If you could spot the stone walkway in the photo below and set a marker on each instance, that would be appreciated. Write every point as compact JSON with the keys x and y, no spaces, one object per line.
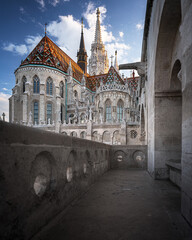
{"x":122,"y":205}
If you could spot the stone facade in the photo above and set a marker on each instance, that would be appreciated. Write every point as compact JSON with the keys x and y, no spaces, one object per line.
{"x":166,"y":93}
{"x":67,"y":100}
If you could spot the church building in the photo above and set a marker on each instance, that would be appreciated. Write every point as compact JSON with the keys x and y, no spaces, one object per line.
{"x":54,"y":93}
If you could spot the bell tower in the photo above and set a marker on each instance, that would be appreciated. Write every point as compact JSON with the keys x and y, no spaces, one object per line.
{"x":82,"y":54}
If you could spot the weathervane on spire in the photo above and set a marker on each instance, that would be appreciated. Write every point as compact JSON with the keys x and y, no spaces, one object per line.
{"x":45,"y":29}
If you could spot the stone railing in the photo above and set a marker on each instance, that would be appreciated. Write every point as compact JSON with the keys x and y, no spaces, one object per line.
{"x":41,"y":173}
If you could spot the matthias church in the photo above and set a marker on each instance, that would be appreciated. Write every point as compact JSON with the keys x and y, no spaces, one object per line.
{"x":54,"y":93}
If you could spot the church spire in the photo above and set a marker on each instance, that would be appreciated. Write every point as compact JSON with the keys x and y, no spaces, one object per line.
{"x":98,"y":29}
{"x":115,"y":63}
{"x":82,"y":54}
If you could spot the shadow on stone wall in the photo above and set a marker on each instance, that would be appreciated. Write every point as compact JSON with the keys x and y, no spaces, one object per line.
{"x":42,"y":172}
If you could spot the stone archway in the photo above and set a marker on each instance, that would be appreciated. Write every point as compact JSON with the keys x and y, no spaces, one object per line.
{"x":164,"y":110}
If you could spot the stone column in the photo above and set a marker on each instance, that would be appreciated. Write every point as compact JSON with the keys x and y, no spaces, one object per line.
{"x":13,"y":106}
{"x":58,"y":111}
{"x":123,"y":132}
{"x":25,"y":103}
{"x":42,"y":104}
{"x":89,"y":130}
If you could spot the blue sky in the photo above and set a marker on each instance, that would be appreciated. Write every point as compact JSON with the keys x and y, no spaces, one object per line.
{"x":22,"y":27}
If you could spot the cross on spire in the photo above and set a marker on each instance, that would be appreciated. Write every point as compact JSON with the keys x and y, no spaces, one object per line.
{"x":45,"y":29}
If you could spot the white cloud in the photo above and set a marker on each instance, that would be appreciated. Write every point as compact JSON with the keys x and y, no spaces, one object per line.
{"x":67,"y":32}
{"x":139,"y":26}
{"x":17,"y":49}
{"x":22,"y":10}
{"x":4,"y":105}
{"x":5,"y":89}
{"x":121,"y":34}
{"x":22,"y":49}
{"x":54,"y":2}
{"x":42,"y":4}
{"x":32,"y":41}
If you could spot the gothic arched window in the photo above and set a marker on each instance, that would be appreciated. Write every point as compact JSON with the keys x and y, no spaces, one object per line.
{"x":62,"y":113}
{"x":36,"y":112}
{"x":120,"y":110}
{"x":24,"y":80}
{"x":61,"y":87}
{"x":108,"y":110}
{"x":35,"y":84}
{"x":75,"y":94}
{"x":49,"y":112}
{"x":49,"y":86}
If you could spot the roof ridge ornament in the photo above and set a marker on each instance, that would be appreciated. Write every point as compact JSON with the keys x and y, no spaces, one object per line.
{"x":45,"y":29}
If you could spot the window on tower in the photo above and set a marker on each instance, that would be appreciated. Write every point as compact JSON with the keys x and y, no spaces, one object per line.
{"x":24,"y":80}
{"x":49,"y":112}
{"x":61,"y":86}
{"x":35,"y":84}
{"x":36,"y":112}
{"x":120,"y":110}
{"x":108,"y":110}
{"x":49,"y":86}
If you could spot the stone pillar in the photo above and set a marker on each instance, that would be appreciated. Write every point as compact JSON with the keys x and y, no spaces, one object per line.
{"x":123,"y":133}
{"x":58,"y":111}
{"x":25,"y":103}
{"x":42,"y":103}
{"x":114,"y":113}
{"x":89,"y":130}
{"x":13,"y":108}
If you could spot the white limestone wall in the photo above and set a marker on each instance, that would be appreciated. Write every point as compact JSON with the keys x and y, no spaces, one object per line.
{"x":150,"y":85}
{"x":186,"y":30}
{"x":29,"y":97}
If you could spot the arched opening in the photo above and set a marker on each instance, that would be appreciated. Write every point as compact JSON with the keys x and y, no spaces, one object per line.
{"x":116,"y":138}
{"x":35,"y":112}
{"x":164,"y":127}
{"x":107,"y":137}
{"x":73,"y":134}
{"x":43,"y":173}
{"x":75,"y":94}
{"x":49,"y":86}
{"x":82,"y":118}
{"x":61,"y":89}
{"x":36,"y":84}
{"x":108,"y":110}
{"x":49,"y":115}
{"x":83,"y":135}
{"x":62,"y":111}
{"x":95,"y":136}
{"x":120,"y":110}
{"x":24,"y":80}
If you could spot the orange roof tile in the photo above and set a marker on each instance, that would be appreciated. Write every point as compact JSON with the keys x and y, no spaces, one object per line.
{"x":48,"y":53}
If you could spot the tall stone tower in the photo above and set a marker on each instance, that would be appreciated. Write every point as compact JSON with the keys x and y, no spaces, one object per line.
{"x":82,"y":54}
{"x":98,"y":62}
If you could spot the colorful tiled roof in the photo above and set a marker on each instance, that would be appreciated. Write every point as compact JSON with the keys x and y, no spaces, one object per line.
{"x":133,"y":82}
{"x":111,"y":76}
{"x":48,"y":53}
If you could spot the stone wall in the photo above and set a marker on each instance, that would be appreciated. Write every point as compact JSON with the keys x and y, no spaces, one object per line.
{"x":124,"y":157}
{"x":40,"y":174}
{"x":169,"y":93}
